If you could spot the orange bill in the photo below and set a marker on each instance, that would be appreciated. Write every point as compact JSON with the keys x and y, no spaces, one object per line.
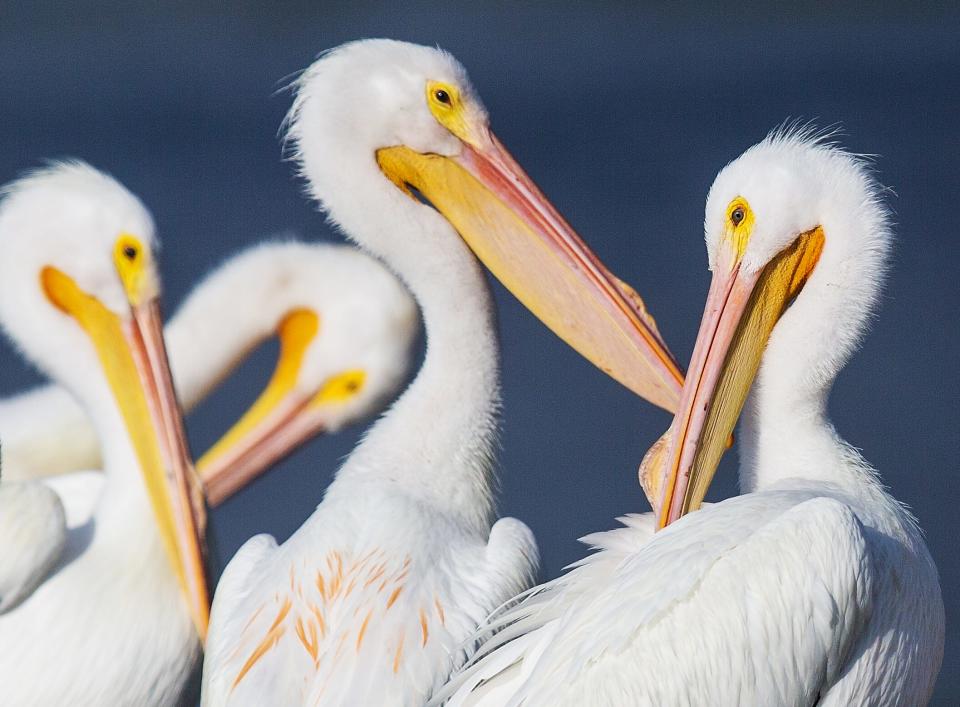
{"x":525,"y":242}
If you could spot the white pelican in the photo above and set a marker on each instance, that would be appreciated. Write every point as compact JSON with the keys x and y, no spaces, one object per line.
{"x":814,"y":586}
{"x":345,"y":325}
{"x":370,"y":600}
{"x":78,"y":295}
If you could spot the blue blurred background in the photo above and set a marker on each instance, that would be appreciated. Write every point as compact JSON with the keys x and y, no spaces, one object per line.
{"x":623,"y":115}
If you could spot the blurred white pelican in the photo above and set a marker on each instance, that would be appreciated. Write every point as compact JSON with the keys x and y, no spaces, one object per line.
{"x":814,"y":586}
{"x":370,"y":600}
{"x":345,"y":326}
{"x":78,"y":294}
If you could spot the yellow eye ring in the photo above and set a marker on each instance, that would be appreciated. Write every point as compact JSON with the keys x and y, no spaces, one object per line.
{"x":132,"y":267}
{"x":442,"y":96}
{"x":447,"y":106}
{"x":739,"y":226}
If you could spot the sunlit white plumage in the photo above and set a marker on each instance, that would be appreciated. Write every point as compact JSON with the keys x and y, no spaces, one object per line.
{"x":814,"y":586}
{"x":103,"y":583}
{"x":367,"y":322}
{"x":370,"y":600}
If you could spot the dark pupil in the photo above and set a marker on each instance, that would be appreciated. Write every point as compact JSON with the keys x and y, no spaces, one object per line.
{"x":130,"y":252}
{"x":351,"y":386}
{"x":737,"y":216}
{"x":442,"y":96}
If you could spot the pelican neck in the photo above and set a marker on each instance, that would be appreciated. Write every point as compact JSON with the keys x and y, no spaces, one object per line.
{"x":437,"y":441}
{"x":786,"y":434}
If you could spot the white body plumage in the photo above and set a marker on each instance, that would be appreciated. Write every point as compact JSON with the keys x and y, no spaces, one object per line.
{"x":372,"y":598}
{"x":369,"y":601}
{"x":815,"y":586}
{"x":104,"y":581}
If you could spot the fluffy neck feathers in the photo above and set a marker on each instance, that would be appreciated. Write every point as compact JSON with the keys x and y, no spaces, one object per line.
{"x":786,"y":432}
{"x":438,"y":439}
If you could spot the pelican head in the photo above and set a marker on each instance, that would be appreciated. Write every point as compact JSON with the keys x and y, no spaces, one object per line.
{"x":797,"y":242}
{"x":405,"y":119}
{"x":79,"y":295}
{"x":345,"y":326}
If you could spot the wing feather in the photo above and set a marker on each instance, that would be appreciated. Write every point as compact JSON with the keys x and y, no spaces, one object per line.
{"x":336,"y":616}
{"x":695,"y":614}
{"x":33,"y":532}
{"x":230,"y":608}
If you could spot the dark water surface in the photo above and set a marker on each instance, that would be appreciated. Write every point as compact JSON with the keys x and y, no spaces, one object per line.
{"x":624,"y":117}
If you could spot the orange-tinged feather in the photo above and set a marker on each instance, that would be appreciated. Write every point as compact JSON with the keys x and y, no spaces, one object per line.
{"x":309,"y":643}
{"x":397,"y":656}
{"x":320,"y":622}
{"x":393,"y":597}
{"x":363,"y":629}
{"x":374,"y":578}
{"x":252,"y":618}
{"x":361,"y":563}
{"x":269,"y":641}
{"x":423,"y":626}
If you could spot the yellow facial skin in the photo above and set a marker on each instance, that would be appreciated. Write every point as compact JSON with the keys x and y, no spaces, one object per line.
{"x":132,"y":261}
{"x":739,"y":226}
{"x":445,"y":103}
{"x":340,"y":388}
{"x":127,"y":384}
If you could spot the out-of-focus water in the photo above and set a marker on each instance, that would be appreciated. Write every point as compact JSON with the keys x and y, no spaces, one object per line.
{"x":624,"y":117}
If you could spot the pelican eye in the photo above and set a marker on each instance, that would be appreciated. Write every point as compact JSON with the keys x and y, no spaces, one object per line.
{"x":737,"y":216}
{"x":446,"y":104}
{"x":341,"y":387}
{"x":132,"y":261}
